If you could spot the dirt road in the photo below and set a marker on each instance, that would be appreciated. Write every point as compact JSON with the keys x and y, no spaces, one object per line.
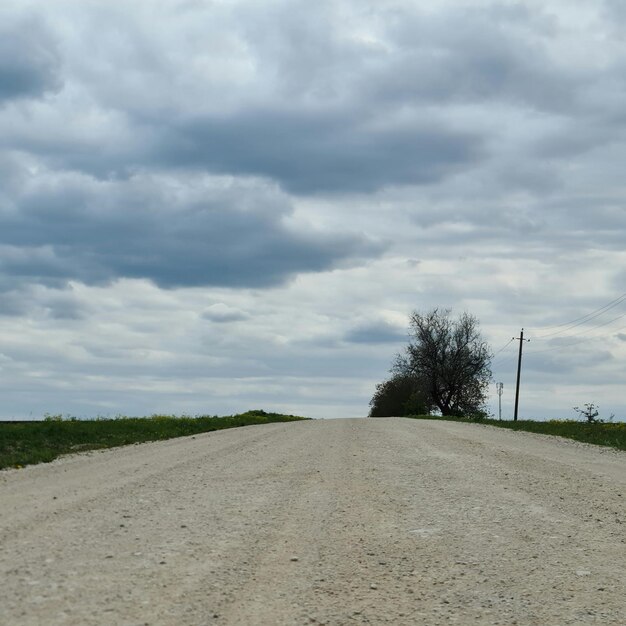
{"x":387,"y":521}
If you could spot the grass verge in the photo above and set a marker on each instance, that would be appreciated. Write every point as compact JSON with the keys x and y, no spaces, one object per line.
{"x":611,"y":434}
{"x":25,"y":443}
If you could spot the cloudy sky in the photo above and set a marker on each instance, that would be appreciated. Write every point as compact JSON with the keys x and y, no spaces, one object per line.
{"x":208,"y":206}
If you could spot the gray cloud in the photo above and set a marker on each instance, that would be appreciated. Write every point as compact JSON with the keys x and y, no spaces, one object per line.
{"x":615,"y":11}
{"x":320,"y":152}
{"x":29,"y":60}
{"x":21,"y":297}
{"x":12,"y":303}
{"x":493,"y":52}
{"x":333,"y":112}
{"x":231,"y":235}
{"x":64,"y":306}
{"x":376,"y":332}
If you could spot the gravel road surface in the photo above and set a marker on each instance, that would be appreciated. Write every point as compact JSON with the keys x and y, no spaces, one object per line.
{"x":348,"y":521}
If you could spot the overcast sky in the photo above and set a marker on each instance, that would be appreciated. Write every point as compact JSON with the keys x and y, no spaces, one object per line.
{"x":208,"y":206}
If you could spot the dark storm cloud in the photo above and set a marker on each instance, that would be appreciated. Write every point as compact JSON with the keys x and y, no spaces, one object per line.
{"x":309,"y":152}
{"x":231,"y":236}
{"x":29,"y":60}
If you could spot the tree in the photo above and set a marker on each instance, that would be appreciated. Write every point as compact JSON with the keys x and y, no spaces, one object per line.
{"x":448,"y":360}
{"x":400,"y":395}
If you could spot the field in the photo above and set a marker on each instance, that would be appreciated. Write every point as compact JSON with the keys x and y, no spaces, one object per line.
{"x":25,"y":443}
{"x":601,"y":434}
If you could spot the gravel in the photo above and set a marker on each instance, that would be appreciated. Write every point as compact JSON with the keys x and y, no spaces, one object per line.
{"x":351,"y":521}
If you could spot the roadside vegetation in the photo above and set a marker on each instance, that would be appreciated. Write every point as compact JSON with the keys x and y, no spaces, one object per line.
{"x":25,"y":443}
{"x":612,"y":434}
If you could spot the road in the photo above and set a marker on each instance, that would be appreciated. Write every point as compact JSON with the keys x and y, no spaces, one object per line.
{"x":347,"y":521}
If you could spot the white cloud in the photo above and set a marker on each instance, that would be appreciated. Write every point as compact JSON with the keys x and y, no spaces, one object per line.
{"x":221,"y":312}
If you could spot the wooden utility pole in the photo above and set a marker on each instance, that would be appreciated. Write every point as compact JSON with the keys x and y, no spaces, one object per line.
{"x":519,"y":371}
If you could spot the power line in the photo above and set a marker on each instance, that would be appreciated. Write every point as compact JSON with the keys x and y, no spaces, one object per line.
{"x":506,"y":345}
{"x":581,"y":320}
{"x":586,"y":330}
{"x":582,"y":340}
{"x":584,"y":316}
{"x":504,"y":360}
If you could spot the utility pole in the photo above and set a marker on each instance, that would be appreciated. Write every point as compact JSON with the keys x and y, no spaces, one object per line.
{"x":519,"y":370}
{"x":499,"y":387}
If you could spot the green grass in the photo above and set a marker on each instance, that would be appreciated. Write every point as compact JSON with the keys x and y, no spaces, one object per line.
{"x":601,"y":434}
{"x":25,"y":443}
